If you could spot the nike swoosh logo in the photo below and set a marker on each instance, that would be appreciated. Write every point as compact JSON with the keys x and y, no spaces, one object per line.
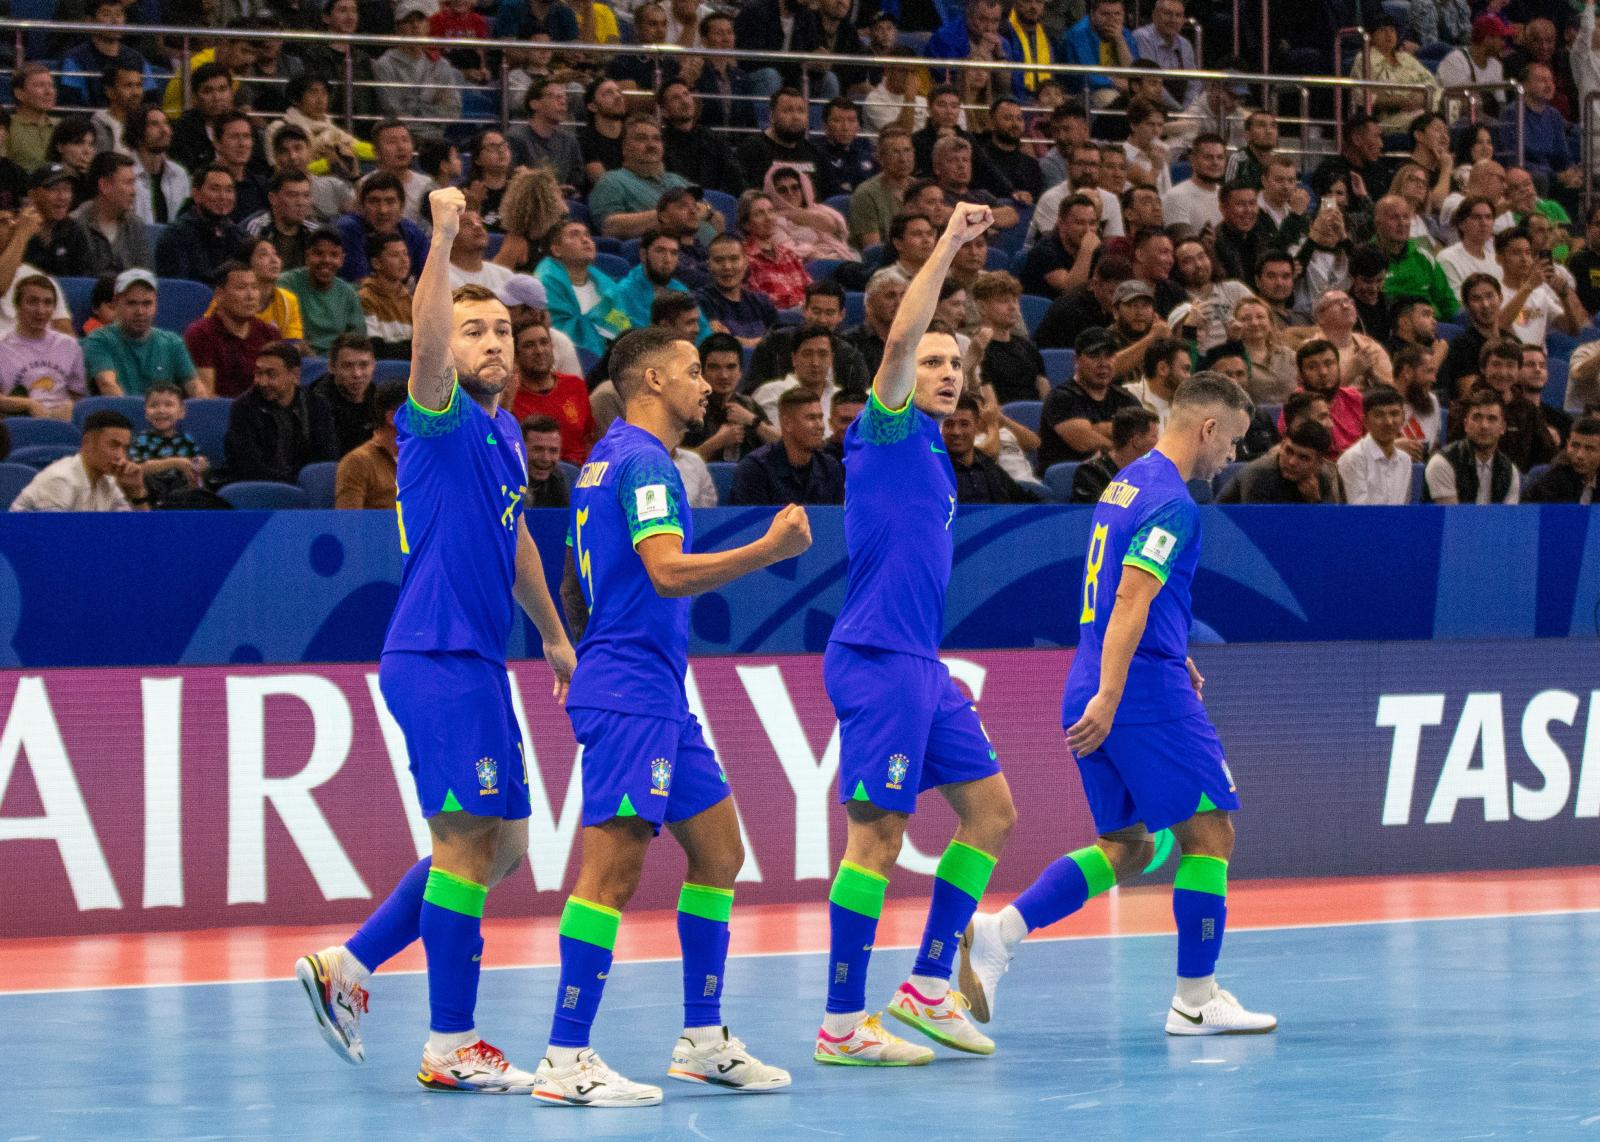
{"x":492,"y":440}
{"x":1197,"y":1020}
{"x":935,"y":448}
{"x":602,"y":975}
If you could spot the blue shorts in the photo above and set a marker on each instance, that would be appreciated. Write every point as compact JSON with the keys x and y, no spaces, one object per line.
{"x":903,"y":727}
{"x":657,"y":769}
{"x":1157,"y":773}
{"x":461,"y":732}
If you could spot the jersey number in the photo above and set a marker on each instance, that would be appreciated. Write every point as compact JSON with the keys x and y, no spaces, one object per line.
{"x":1091,"y":571}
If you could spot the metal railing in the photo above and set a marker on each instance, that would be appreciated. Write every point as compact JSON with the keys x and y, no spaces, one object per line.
{"x":1472,"y":92}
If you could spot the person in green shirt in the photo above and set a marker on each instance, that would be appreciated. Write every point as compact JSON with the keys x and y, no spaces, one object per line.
{"x":130,"y":355}
{"x":329,"y":305}
{"x":1412,"y":272}
{"x":34,"y":90}
{"x":1523,"y":198}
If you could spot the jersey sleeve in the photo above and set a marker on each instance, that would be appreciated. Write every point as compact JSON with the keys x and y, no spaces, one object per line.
{"x":425,"y":422}
{"x":651,"y":496}
{"x":880,"y":424}
{"x":1161,"y":537}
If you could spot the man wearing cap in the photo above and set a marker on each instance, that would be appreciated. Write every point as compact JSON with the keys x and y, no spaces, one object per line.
{"x":128,"y":356}
{"x":424,"y":87}
{"x":1135,"y":327}
{"x":542,"y":138}
{"x":680,"y":213}
{"x":691,"y":149}
{"x":523,"y":295}
{"x":1478,"y":63}
{"x":623,"y":203}
{"x":1075,"y":422}
{"x":202,"y":236}
{"x":61,"y":247}
{"x":329,"y":305}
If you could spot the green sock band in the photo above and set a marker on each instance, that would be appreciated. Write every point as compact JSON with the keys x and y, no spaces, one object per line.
{"x":1203,"y":874}
{"x":859,"y":889}
{"x":967,"y":868}
{"x":1096,"y":868}
{"x":706,"y":902}
{"x":454,"y":893}
{"x":590,"y":922}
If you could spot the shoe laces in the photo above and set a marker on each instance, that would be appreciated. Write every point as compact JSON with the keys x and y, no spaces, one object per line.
{"x":358,"y":996}
{"x":874,"y":1024}
{"x":486,"y":1054}
{"x":958,"y":1001}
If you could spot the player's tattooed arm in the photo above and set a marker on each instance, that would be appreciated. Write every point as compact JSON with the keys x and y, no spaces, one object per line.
{"x":572,"y":601}
{"x":433,"y":373}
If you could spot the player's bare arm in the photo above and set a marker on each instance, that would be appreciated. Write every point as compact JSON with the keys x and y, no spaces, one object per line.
{"x":897,"y":375}
{"x":433,"y":371}
{"x":1136,"y":590}
{"x":533,"y":596}
{"x":676,"y":574}
{"x":573,"y":604}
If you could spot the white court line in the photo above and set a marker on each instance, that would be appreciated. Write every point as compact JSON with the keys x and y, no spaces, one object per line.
{"x":1234,"y":931}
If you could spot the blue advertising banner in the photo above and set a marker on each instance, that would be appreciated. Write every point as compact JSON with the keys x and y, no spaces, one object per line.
{"x":242,"y":587}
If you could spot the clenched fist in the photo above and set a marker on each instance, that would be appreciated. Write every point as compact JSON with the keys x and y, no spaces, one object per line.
{"x":790,"y":533}
{"x":447,"y":205}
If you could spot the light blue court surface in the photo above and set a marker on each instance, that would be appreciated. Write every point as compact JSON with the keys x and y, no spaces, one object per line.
{"x":1452,"y":1029}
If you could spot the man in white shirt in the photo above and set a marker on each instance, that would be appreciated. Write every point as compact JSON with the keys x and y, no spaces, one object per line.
{"x":1374,"y":470}
{"x":1193,"y":202}
{"x":1474,"y":254}
{"x":895,"y":100}
{"x":1536,"y":293}
{"x":99,"y":477}
{"x":467,"y":266}
{"x":1083,"y":176}
{"x":1479,"y":63}
{"x":1474,"y":470}
{"x":1166,"y":366}
{"x":813,"y":369}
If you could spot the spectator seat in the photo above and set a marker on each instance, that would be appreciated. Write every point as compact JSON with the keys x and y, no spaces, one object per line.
{"x":1033,"y":310}
{"x":386,"y":371}
{"x":1058,"y":364}
{"x":206,"y":421}
{"x":1025,"y":412}
{"x":264,"y":495}
{"x":726,"y":205}
{"x":614,"y":266}
{"x":130,"y":407}
{"x":180,"y":303}
{"x":1555,"y":385}
{"x":722,"y":477}
{"x":37,"y":456}
{"x":316,"y":480}
{"x":13,"y":478}
{"x":1058,"y":479}
{"x":27,"y":431}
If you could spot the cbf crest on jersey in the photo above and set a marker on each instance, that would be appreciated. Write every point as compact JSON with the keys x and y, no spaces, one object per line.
{"x":487,"y":772}
{"x":898,"y":764}
{"x":660,"y":776}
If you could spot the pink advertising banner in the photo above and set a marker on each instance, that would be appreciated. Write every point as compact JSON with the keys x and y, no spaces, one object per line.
{"x":150,"y":799}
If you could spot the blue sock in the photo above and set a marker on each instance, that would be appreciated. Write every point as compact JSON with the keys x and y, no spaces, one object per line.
{"x":703,"y":935}
{"x":1200,"y":906}
{"x":588,"y":935}
{"x":958,"y":885}
{"x":854,"y":905}
{"x":1066,"y":886}
{"x":396,"y":923}
{"x":450,"y":925}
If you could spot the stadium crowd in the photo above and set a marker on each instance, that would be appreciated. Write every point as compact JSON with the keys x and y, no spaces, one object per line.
{"x":205,"y":293}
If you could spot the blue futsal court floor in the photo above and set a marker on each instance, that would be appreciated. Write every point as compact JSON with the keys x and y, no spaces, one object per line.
{"x":1482,"y":1028}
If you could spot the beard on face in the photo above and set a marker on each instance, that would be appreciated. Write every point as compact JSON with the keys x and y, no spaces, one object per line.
{"x":476,"y":386}
{"x":788,"y":137}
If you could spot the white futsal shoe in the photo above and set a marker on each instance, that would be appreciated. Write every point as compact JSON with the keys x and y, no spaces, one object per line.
{"x":589,"y":1082}
{"x":984,"y":959}
{"x":870,"y":1044}
{"x":1219,"y":1015}
{"x":337,"y":1001}
{"x":727,"y":1063}
{"x":945,"y":1022}
{"x":477,"y":1068}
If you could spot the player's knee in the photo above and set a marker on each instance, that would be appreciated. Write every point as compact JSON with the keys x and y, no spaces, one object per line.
{"x":1137,"y":860}
{"x":506,"y":865}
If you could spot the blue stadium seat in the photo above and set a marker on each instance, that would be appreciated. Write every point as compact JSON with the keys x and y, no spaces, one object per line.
{"x":130,"y":407}
{"x":840,"y":202}
{"x":614,"y":266}
{"x":1024,"y":412}
{"x":746,"y":354}
{"x":1201,"y":491}
{"x":587,"y":359}
{"x":579,"y":210}
{"x":1590,"y":332}
{"x":1058,"y":364}
{"x":1444,"y":423}
{"x":316,"y":480}
{"x":313,"y":369}
{"x":1058,"y":479}
{"x":75,"y":292}
{"x":38,"y":456}
{"x":722,"y":476}
{"x":821,"y":269}
{"x":264,"y":496}
{"x":998,"y":259}
{"x":386,"y":371}
{"x":13,"y":478}
{"x":27,"y":431}
{"x":496,"y":240}
{"x":855,"y":308}
{"x":1446,"y":331}
{"x":606,"y":244}
{"x":630,"y":251}
{"x":1033,"y":310}
{"x":1018,"y":260}
{"x":1011,"y":239}
{"x":726,"y":205}
{"x":1416,"y":482}
{"x":1225,"y":477}
{"x":791,"y":316}
{"x":180,"y":303}
{"x":153,"y":231}
{"x":1560,"y":345}
{"x":1532,"y":474}
{"x":873,"y":255}
{"x":205,"y":419}
{"x":1555,"y":386}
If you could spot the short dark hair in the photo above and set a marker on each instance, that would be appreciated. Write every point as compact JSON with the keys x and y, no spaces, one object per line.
{"x":826,"y":288}
{"x":540,"y":424}
{"x":206,"y":172}
{"x":351,"y":343}
{"x":797,"y":397}
{"x":1131,"y":423}
{"x":1505,"y":348}
{"x":286,"y":351}
{"x":1161,"y":351}
{"x":840,"y":103}
{"x":722,"y":343}
{"x":1482,"y":397}
{"x":1312,"y":434}
{"x":108,"y":77}
{"x":1473,"y":281}
{"x":849,"y":396}
{"x":321,"y":237}
{"x":1222,"y":351}
{"x":1206,"y":388}
{"x":1586,"y":426}
{"x":966,"y":402}
{"x":1272,"y":257}
{"x":205,"y":73}
{"x":389,"y":125}
{"x":295,"y":90}
{"x":810,"y":332}
{"x":1406,"y":357}
{"x":1381,"y":396}
{"x":1506,"y":237}
{"x":220,"y":275}
{"x":937,"y":90}
{"x":36,"y":281}
{"x":103,"y":419}
{"x":1205,"y":137}
{"x":283,"y":178}
{"x":633,"y":353}
{"x":671,"y":304}
{"x":784,"y":93}
{"x":1231,"y":188}
{"x":1466,"y":206}
{"x":288,"y":133}
{"x":380,"y":180}
{"x":651,"y":236}
{"x":902,"y":221}
{"x":389,"y":397}
{"x":432,"y":151}
{"x":1298,"y":404}
{"x":166,"y":388}
{"x":376,"y":243}
{"x":1314,"y":348}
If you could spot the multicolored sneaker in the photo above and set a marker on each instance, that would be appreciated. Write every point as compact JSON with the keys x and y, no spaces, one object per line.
{"x":1222,"y":1014}
{"x":477,"y":1068}
{"x":984,"y":959}
{"x":945,"y":1021}
{"x":589,"y":1082}
{"x":870,"y":1044}
{"x":726,"y":1063}
{"x":337,"y":1001}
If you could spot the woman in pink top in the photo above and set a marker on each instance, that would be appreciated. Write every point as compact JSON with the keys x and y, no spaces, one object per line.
{"x":810,"y":228}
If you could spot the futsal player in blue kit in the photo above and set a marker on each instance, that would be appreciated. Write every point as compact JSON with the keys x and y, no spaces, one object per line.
{"x":1149,"y":757}
{"x":629,"y":580}
{"x":468,"y":559}
{"x":903,"y":725}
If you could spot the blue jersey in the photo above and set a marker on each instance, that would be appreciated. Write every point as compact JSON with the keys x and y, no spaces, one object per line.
{"x":462,"y":479}
{"x":1145,"y":519}
{"x":635,"y":650}
{"x":899,"y":503}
